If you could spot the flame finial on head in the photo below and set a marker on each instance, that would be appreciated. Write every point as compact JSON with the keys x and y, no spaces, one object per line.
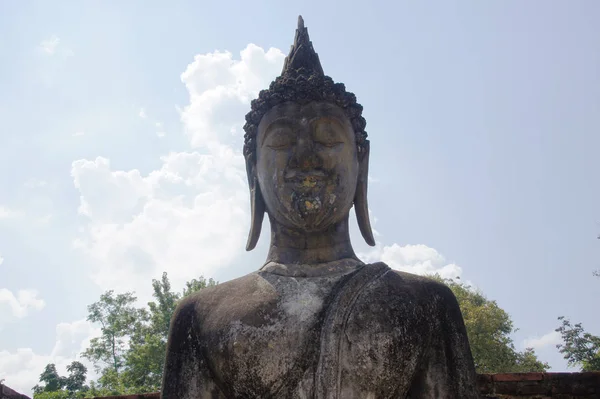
{"x":302,"y":54}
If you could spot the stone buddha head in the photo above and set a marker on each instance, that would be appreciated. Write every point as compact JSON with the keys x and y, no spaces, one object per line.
{"x":306,"y":149}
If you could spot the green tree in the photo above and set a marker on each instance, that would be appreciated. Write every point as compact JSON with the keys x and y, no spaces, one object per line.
{"x":145,"y":359}
{"x":60,"y":394}
{"x":527,"y":362}
{"x":579,"y":347}
{"x":148,"y":344}
{"x":118,"y":319}
{"x":131,"y":351}
{"x":96,"y":390}
{"x":489,"y":329}
{"x":197,"y":284}
{"x":77,"y":375}
{"x":52,"y":381}
{"x":58,"y":387}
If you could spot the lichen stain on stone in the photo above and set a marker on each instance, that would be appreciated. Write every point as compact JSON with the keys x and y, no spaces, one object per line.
{"x":309,"y":182}
{"x":302,"y":305}
{"x":312,"y":204}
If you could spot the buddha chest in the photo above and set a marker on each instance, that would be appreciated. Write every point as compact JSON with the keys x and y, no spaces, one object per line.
{"x":269,"y":341}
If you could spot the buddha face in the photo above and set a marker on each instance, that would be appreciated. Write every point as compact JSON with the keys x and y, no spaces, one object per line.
{"x":306,"y":164}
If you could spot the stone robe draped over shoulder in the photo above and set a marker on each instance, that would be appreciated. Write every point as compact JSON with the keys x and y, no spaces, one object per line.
{"x":372,"y":333}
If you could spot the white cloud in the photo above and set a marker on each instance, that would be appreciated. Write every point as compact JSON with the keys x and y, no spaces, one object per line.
{"x":73,"y":338}
{"x":190,"y":216}
{"x":78,"y":133}
{"x":416,"y":259}
{"x":107,"y":196}
{"x":220,"y":91}
{"x":1,"y":260}
{"x":53,"y":47}
{"x":160,"y":132}
{"x":7,"y":213}
{"x":21,"y":368}
{"x":550,"y":339}
{"x":53,"y":60}
{"x":183,"y":218}
{"x":50,"y":45}
{"x":18,"y":306}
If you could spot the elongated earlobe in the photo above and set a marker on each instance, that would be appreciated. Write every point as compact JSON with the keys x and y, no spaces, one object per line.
{"x":361,"y":206}
{"x":257,"y":203}
{"x":257,"y":215}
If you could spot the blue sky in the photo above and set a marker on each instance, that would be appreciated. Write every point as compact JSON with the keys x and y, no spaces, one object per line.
{"x":121,"y":138}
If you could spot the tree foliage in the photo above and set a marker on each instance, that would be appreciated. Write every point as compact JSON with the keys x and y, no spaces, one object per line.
{"x":59,"y":387}
{"x":579,"y":348}
{"x":130,"y":353}
{"x":489,"y":329}
{"x":52,"y":381}
{"x":76,"y":379}
{"x":118,"y":319}
{"x":60,"y":394}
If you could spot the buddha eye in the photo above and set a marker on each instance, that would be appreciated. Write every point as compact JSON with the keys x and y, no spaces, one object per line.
{"x":330,"y":144}
{"x":280,"y":139}
{"x":328,"y":133}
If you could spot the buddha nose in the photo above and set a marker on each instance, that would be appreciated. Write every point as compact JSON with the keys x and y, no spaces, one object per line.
{"x":305,"y":156}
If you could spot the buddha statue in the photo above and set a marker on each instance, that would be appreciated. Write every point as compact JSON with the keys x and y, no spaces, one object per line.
{"x":314,"y":321}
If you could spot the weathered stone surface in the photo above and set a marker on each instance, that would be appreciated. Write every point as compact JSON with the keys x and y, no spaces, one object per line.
{"x":263,"y":336}
{"x":315,"y":321}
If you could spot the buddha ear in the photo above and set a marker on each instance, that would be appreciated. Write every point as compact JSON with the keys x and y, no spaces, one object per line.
{"x":361,"y":207}
{"x":257,"y":204}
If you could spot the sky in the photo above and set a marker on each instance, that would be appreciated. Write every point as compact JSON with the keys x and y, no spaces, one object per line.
{"x":121,"y":138}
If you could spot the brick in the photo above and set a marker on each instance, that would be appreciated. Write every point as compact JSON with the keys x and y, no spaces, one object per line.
{"x":518,"y":377}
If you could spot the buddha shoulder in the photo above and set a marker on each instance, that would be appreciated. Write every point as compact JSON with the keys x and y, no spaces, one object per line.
{"x":421,"y":286}
{"x":397,"y":294}
{"x":240,"y":299}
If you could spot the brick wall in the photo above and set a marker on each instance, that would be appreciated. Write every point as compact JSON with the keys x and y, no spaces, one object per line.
{"x":540,"y":385}
{"x":491,"y":386}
